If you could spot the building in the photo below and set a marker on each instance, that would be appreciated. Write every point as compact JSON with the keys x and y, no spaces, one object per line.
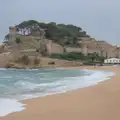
{"x":112,"y":61}
{"x":21,"y":31}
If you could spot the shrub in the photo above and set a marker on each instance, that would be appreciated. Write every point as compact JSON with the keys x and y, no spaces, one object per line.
{"x":51,"y":63}
{"x":18,"y":40}
{"x":9,"y":65}
{"x":88,"y":63}
{"x":68,"y":56}
{"x":24,"y":59}
{"x":36,"y":61}
{"x":91,"y":58}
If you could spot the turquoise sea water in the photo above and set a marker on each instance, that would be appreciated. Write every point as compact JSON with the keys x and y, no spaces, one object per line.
{"x":17,"y":85}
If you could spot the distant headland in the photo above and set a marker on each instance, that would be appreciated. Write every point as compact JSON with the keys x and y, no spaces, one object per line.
{"x":34,"y":44}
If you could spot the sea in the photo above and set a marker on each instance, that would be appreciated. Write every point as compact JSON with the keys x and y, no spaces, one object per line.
{"x":21,"y":84}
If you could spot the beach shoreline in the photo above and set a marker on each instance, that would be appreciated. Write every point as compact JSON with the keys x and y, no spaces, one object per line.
{"x":77,"y":104}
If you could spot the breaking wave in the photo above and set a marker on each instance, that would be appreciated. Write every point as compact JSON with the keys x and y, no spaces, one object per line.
{"x":16,"y":85}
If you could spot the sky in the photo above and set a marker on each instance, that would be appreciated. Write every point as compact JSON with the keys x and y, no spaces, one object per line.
{"x":100,"y":18}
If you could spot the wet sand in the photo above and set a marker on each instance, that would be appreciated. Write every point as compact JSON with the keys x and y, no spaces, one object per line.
{"x":99,"y":102}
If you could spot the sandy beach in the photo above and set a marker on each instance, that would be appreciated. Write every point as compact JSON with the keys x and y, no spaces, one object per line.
{"x":98,"y":102}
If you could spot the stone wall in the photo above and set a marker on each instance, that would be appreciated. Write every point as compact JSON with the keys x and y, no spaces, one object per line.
{"x":72,"y":49}
{"x":54,"y":47}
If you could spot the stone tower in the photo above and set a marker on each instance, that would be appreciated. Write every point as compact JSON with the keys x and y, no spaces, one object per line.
{"x":12,"y":30}
{"x":85,"y":49}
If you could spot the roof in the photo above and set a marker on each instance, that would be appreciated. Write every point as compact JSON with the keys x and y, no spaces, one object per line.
{"x":113,"y":59}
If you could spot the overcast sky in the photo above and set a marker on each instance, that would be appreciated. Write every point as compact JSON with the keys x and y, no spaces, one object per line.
{"x":100,"y":18}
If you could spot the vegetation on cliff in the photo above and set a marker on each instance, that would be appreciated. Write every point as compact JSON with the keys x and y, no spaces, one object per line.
{"x":60,"y":33}
{"x":90,"y":58}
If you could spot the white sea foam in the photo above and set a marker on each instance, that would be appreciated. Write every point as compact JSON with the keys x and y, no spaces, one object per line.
{"x":8,"y":106}
{"x":26,"y":85}
{"x":68,"y":83}
{"x":82,"y":82}
{"x":3,"y":69}
{"x":31,"y":69}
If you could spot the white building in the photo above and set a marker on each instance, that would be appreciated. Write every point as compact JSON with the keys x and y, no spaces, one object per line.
{"x":24,"y":31}
{"x":112,"y":61}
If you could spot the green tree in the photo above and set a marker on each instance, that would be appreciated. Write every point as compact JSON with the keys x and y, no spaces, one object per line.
{"x":58,"y":32}
{"x":69,"y":56}
{"x":28,"y":23}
